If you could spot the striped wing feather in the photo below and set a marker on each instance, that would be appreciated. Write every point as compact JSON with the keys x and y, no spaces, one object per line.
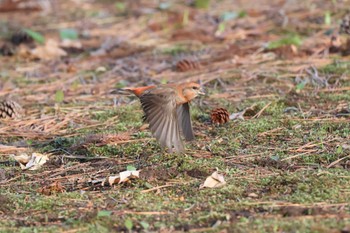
{"x":159,"y":107}
{"x":184,"y":119}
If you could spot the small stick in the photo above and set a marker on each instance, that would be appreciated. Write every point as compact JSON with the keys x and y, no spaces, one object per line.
{"x":298,"y":155}
{"x":156,"y":188}
{"x":146,"y":212}
{"x":337,"y":161}
{"x":262,"y":110}
{"x":270,"y":131}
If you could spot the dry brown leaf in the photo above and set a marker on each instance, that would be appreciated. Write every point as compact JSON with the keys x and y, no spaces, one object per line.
{"x":55,"y":187}
{"x":122,"y":177}
{"x":31,"y":162}
{"x":237,"y":115}
{"x":127,"y":175}
{"x":23,"y":51}
{"x":253,"y":195}
{"x":49,"y":51}
{"x":66,"y":43}
{"x":112,"y":180}
{"x":215,"y":180}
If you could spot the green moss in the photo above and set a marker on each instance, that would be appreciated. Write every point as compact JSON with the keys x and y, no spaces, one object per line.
{"x":337,"y":67}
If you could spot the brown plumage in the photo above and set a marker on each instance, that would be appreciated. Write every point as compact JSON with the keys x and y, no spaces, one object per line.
{"x":167,"y":111}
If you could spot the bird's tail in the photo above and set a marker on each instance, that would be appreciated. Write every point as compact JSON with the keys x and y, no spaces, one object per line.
{"x":135,"y":90}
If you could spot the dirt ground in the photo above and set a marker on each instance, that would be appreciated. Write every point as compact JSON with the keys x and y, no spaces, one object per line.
{"x":279,"y":69}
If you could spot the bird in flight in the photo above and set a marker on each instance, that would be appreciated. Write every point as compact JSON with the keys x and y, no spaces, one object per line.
{"x":167,"y":111}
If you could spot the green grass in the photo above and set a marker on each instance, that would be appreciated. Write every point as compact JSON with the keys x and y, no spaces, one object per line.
{"x":274,"y":181}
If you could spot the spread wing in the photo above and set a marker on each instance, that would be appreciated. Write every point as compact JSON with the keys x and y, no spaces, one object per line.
{"x":184,"y":119}
{"x":159,"y":106}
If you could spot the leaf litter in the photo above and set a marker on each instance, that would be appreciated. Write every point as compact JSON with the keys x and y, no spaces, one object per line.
{"x":31,"y":162}
{"x":215,"y":180}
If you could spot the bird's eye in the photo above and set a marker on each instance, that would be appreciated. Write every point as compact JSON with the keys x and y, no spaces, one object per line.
{"x":195,"y":88}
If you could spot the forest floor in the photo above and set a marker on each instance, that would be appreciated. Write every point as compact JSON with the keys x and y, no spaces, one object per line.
{"x":281,"y":67}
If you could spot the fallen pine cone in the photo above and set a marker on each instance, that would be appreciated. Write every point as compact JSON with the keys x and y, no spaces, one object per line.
{"x":186,"y":65}
{"x":345,"y":25}
{"x":219,"y":116}
{"x":10,"y":108}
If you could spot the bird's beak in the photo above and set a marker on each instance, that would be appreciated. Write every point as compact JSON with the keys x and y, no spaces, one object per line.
{"x":201,"y":92}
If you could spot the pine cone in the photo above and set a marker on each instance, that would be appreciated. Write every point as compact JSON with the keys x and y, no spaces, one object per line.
{"x":10,"y":108}
{"x":345,"y":25}
{"x":186,"y":65}
{"x":219,"y":116}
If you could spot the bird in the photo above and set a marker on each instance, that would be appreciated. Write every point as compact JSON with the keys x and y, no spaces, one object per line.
{"x":167,"y":111}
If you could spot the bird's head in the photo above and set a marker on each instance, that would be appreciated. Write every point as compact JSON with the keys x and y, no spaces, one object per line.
{"x":192,"y":90}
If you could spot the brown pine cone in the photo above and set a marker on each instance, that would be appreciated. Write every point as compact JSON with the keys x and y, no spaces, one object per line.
{"x":345,"y":25}
{"x":11,"y":109}
{"x":186,"y":65}
{"x":219,"y":116}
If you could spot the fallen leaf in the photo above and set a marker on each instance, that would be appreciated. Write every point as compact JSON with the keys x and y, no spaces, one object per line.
{"x":127,"y":175}
{"x":112,"y":180}
{"x":22,"y":159}
{"x":23,"y":51}
{"x":49,"y":51}
{"x":237,"y":115}
{"x":31,"y":162}
{"x":68,"y":43}
{"x":250,"y":111}
{"x":101,"y":69}
{"x":128,"y":224}
{"x":35,"y":35}
{"x":253,"y":195}
{"x":55,"y":187}
{"x":215,"y":180}
{"x":122,"y":177}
